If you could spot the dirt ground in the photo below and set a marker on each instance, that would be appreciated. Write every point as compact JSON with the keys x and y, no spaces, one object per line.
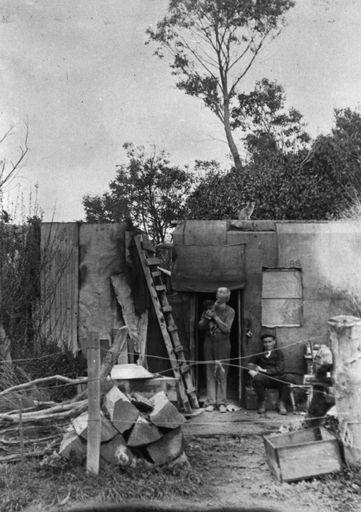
{"x":229,"y":450}
{"x":228,"y":468}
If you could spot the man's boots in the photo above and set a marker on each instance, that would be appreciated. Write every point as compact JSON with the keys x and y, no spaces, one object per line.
{"x":262,"y":407}
{"x":283,"y":409}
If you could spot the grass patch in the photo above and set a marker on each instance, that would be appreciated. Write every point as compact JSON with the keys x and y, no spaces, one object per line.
{"x":51,"y":486}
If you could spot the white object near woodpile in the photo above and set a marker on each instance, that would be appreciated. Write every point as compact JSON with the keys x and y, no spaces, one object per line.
{"x":130,"y":371}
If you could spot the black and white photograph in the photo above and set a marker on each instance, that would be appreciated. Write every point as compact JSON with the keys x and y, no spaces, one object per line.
{"x":180,"y":255}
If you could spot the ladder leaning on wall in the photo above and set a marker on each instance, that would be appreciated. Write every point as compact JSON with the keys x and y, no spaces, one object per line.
{"x":168,"y":328}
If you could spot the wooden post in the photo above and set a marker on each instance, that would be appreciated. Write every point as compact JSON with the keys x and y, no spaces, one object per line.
{"x":345,"y":336}
{"x":94,"y":422}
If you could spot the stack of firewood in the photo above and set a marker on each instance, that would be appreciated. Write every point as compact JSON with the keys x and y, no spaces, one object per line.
{"x":134,"y":429}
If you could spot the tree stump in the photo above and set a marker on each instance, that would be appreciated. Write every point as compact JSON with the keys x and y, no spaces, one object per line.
{"x":345,"y":336}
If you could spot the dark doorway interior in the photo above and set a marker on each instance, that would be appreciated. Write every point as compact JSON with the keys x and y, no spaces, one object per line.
{"x":233,"y":369}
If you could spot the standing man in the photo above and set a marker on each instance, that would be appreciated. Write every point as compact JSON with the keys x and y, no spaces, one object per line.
{"x":267,"y":370}
{"x":217,"y":323}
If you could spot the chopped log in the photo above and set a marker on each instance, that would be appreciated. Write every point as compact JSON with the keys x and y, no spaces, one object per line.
{"x":143,"y":433}
{"x":142,"y":403}
{"x":80,"y":425}
{"x":72,"y":446}
{"x":168,"y":448}
{"x":122,"y":413}
{"x":164,"y":413}
{"x":116,"y":452}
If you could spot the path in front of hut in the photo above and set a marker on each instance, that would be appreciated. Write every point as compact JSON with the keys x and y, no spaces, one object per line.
{"x":228,"y":451}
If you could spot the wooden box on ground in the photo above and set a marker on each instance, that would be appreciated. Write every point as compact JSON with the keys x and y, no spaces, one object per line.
{"x":272,"y":396}
{"x":303,"y":454}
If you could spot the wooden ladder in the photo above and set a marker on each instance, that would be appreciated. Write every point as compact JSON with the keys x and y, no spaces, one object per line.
{"x":168,"y":328}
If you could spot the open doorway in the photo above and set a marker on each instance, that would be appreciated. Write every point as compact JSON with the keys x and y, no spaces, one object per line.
{"x":234,"y":372}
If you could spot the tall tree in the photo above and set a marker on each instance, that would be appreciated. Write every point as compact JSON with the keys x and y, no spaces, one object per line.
{"x":147,"y":190}
{"x":213,"y":44}
{"x":318,"y":184}
{"x":267,"y":125}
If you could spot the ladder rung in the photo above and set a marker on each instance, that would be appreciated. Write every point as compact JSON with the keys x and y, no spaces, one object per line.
{"x":167,"y":309}
{"x":160,"y":287}
{"x":172,"y":328}
{"x":153,"y":261}
{"x":178,"y":348}
{"x":184,"y":368}
{"x":190,"y":390}
{"x":156,"y":273}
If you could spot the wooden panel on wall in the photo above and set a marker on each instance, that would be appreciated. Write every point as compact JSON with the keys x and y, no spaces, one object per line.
{"x":282,"y":284}
{"x":59,"y":284}
{"x":281,"y":312}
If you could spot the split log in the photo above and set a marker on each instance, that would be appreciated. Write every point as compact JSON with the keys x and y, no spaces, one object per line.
{"x":164,"y":413}
{"x":121,"y":411}
{"x":168,"y":448}
{"x":72,"y":446}
{"x":80,"y":425}
{"x":142,"y":403}
{"x":116,"y":452}
{"x":143,"y":433}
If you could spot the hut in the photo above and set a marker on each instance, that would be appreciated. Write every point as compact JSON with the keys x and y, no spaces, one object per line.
{"x":286,"y":276}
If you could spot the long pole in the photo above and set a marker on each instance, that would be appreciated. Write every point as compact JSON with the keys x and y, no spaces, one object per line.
{"x":94,"y":422}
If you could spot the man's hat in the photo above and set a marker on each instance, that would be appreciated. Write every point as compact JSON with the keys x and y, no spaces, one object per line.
{"x":268,"y":335}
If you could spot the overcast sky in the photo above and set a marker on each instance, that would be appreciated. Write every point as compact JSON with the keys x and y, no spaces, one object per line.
{"x":79,"y":73}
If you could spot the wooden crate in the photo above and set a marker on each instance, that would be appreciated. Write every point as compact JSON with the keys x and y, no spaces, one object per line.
{"x":303,"y":454}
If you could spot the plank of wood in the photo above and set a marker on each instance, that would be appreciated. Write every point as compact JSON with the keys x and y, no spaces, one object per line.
{"x":122,"y":413}
{"x":116,"y":452}
{"x":164,"y":413}
{"x":143,"y":433}
{"x":93,"y":421}
{"x":168,"y":448}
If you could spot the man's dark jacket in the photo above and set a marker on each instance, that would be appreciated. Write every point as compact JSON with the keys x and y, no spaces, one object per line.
{"x":274,"y":364}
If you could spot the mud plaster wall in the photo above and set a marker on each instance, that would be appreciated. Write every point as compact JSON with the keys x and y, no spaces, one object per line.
{"x":261,"y":250}
{"x":100,"y":256}
{"x":328,"y":254}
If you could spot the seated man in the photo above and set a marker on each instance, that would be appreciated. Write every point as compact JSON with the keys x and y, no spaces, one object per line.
{"x":267,"y":371}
